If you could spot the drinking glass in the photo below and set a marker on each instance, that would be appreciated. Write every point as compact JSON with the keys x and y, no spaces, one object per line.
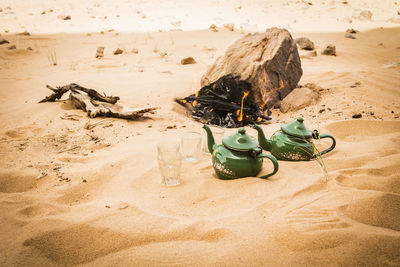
{"x":218,"y":133}
{"x":190,"y":146}
{"x":169,"y":162}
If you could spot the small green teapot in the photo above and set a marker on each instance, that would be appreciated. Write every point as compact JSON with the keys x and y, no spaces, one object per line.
{"x":238,"y":156}
{"x":293,"y":142}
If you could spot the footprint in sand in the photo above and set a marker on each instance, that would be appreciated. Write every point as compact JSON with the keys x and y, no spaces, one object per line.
{"x":83,"y":243}
{"x":40,"y":210}
{"x":17,"y":181}
{"x":381,"y":210}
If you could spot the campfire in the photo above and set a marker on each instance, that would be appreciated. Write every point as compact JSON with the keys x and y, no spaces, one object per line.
{"x":227,"y":102}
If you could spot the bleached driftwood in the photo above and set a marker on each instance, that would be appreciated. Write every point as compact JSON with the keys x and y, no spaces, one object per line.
{"x":95,"y":104}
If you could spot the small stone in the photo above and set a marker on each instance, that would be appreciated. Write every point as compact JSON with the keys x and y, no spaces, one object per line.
{"x":357,"y":116}
{"x":43,"y":12}
{"x":356,"y":84}
{"x":213,"y":27}
{"x":188,"y":60}
{"x":309,"y":54}
{"x":229,"y":26}
{"x":350,"y":36}
{"x":330,"y":50}
{"x":135,"y":51}
{"x":12,"y":47}
{"x":84,"y":181}
{"x":392,"y":111}
{"x":118,"y":51}
{"x":3,"y":41}
{"x":25,"y":33}
{"x":304,"y":43}
{"x":321,"y":110}
{"x":100,"y":52}
{"x":108,"y":207}
{"x":64,"y":17}
{"x":29,"y":48}
{"x":171,"y":126}
{"x":366,"y":15}
{"x":380,"y":44}
{"x":299,"y":98}
{"x":351,"y":31}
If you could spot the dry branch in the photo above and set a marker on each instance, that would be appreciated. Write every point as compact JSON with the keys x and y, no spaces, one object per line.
{"x":95,"y":104}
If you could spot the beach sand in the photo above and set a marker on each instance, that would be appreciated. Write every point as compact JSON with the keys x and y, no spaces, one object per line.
{"x":71,"y":195}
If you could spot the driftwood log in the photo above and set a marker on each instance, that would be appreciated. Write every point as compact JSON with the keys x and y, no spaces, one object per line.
{"x":94,"y":103}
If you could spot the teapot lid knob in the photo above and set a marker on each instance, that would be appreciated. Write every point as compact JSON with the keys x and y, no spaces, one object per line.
{"x":242,"y":130}
{"x":300,"y":119}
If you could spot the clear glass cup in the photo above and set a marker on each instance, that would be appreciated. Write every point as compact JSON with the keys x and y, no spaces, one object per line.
{"x":169,"y":162}
{"x":218,"y":133}
{"x":190,"y":146}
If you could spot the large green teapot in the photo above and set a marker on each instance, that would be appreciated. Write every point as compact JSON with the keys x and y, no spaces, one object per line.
{"x":238,"y":156}
{"x":293,"y":142}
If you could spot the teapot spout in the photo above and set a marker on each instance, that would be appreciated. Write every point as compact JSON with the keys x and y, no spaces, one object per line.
{"x":264,"y":142}
{"x":210,"y":139}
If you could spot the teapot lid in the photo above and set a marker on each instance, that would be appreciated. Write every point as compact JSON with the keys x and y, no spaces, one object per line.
{"x":296,"y":128}
{"x":240,"y":141}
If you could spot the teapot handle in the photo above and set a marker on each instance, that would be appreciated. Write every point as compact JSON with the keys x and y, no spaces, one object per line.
{"x":274,"y":161}
{"x":328,"y":149}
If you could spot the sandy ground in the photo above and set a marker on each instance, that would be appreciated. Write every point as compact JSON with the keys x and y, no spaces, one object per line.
{"x":69,"y":195}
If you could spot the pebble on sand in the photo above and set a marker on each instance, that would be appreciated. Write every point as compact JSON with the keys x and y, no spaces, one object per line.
{"x":100,"y":52}
{"x":213,"y":27}
{"x":118,"y":51}
{"x":3,"y":41}
{"x":188,"y":60}
{"x":229,"y":26}
{"x":12,"y":47}
{"x":64,"y":17}
{"x":349,"y":35}
{"x":25,"y":33}
{"x":330,"y":50}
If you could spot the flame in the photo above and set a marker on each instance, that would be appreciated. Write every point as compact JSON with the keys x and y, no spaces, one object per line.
{"x":281,"y":85}
{"x":241,"y":107}
{"x":194,"y":87}
{"x":265,"y":102}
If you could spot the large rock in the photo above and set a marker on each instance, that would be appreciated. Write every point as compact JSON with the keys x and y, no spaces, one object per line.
{"x":268,"y":61}
{"x":299,"y":98}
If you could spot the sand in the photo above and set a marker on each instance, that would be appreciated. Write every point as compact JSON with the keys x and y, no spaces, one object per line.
{"x":70,"y":195}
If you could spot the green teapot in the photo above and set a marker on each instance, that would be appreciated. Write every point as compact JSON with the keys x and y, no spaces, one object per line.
{"x":238,"y":156}
{"x":293,"y":142}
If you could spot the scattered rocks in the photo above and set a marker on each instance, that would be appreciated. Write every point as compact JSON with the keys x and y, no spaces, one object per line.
{"x":12,"y":47}
{"x":118,"y":51}
{"x":213,"y":27}
{"x":330,"y":50}
{"x":135,"y":51}
{"x":171,"y":127}
{"x":357,"y":116}
{"x":29,"y":48}
{"x":3,"y":41}
{"x":269,"y":61}
{"x":25,"y":33}
{"x":309,"y":54}
{"x":100,"y":52}
{"x":304,"y":43}
{"x":64,"y":17}
{"x":352,"y":31}
{"x":299,"y":98}
{"x":356,"y":84}
{"x":188,"y":60}
{"x":350,"y":36}
{"x":229,"y":26}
